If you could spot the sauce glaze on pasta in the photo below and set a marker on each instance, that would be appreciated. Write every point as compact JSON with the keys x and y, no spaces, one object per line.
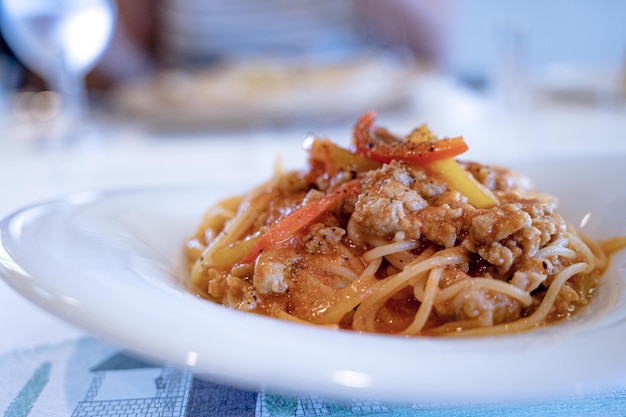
{"x":393,"y":247}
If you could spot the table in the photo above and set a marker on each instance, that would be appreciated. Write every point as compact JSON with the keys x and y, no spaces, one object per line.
{"x":39,"y":351}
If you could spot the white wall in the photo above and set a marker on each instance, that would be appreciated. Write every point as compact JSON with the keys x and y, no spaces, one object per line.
{"x":580,"y":33}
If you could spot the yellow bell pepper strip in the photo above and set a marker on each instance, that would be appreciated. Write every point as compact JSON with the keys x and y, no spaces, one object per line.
{"x":296,"y":220}
{"x":383,"y":147}
{"x":460,"y":180}
{"x":457,"y":178}
{"x":423,"y":148}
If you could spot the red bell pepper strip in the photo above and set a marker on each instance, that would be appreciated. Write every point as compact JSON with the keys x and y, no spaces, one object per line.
{"x":436,"y":155}
{"x":384,"y":148}
{"x":300,"y":218}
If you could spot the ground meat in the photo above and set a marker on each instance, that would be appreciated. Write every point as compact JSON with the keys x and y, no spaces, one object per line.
{"x":441,"y":224}
{"x":391,"y":197}
{"x":504,"y":235}
{"x":563,"y":301}
{"x":498,"y":179}
{"x":500,"y":255}
{"x":270,"y":275}
{"x":322,"y":239}
{"x":548,"y":223}
{"x":477,"y":303}
{"x":402,"y":199}
{"x":530,"y":274}
{"x":292,"y":279}
{"x":499,"y":223}
{"x":216,"y":285}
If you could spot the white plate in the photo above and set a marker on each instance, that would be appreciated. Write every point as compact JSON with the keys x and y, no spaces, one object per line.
{"x":111,"y":263}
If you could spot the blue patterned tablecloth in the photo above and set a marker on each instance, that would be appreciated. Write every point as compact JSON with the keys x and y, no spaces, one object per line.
{"x":91,"y":378}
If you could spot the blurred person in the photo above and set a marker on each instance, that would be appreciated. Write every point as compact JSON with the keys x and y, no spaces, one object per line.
{"x":131,"y":52}
{"x":418,"y":25}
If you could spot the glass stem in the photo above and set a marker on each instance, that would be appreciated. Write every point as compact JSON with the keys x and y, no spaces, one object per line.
{"x":73,"y":101}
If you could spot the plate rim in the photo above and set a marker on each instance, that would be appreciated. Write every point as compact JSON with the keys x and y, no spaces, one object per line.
{"x":355,"y":379}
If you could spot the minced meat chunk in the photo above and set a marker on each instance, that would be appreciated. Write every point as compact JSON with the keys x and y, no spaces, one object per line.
{"x":270,"y":275}
{"x":403,"y":199}
{"x":391,"y":197}
{"x":323,"y":239}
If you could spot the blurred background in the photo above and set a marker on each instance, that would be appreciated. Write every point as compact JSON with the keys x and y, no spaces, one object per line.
{"x":177,"y":61}
{"x":135,"y":80}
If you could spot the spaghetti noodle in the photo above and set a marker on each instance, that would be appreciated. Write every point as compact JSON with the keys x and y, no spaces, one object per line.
{"x":394,"y":235}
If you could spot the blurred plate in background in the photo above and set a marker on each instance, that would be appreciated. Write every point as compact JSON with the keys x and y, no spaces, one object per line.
{"x":267,"y":92}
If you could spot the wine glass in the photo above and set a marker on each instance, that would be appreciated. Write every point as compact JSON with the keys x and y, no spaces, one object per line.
{"x":60,"y":40}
